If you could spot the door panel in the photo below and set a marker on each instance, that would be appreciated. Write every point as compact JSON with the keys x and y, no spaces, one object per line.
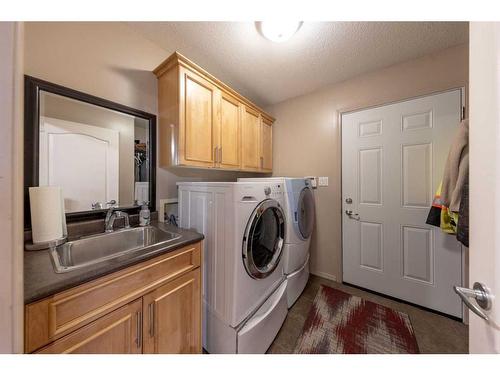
{"x":370,"y":176}
{"x":118,"y":332}
{"x":371,"y":245}
{"x":172,"y":323}
{"x":267,"y":145}
{"x":250,"y":140}
{"x":417,"y":175}
{"x":229,"y":153}
{"x":197,"y":120}
{"x":392,"y":163}
{"x":418,"y":254}
{"x":82,"y":159}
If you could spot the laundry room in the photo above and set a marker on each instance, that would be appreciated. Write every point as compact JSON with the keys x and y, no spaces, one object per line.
{"x":283,"y":186}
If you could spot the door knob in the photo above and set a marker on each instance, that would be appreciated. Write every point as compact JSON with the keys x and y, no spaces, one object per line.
{"x":480,"y":293}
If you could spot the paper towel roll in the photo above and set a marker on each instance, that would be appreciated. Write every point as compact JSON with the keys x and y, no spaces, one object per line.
{"x":46,"y":213}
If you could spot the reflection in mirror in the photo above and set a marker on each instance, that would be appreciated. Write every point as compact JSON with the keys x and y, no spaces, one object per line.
{"x":99,"y":157}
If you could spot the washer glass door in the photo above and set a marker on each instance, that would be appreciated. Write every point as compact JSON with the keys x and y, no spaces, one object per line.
{"x":264,"y":239}
{"x":305,"y":213}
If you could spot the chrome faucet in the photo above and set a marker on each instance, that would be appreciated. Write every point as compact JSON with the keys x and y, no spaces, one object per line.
{"x":100,"y":205}
{"x":110,"y":219}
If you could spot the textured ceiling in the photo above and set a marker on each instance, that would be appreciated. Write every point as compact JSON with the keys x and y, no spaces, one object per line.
{"x":319,"y":54}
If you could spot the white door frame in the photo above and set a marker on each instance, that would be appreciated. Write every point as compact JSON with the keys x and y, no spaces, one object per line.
{"x":11,"y":187}
{"x":465,"y":257}
{"x":484,"y":51}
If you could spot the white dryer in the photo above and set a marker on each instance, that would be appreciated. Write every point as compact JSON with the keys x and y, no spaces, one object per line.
{"x":244,"y":288}
{"x":300,"y":214}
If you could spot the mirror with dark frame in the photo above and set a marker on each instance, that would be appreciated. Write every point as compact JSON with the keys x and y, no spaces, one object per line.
{"x":99,"y":152}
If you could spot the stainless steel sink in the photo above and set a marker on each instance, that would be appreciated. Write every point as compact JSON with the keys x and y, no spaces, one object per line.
{"x":107,"y":247}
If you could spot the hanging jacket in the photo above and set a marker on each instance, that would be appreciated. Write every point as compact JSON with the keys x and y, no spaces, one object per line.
{"x":449,"y":221}
{"x":440,"y":216}
{"x":434,"y":217}
{"x":463,"y":224}
{"x":456,"y":169}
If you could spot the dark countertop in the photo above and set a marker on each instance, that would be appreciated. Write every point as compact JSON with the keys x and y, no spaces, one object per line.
{"x":41,"y":281}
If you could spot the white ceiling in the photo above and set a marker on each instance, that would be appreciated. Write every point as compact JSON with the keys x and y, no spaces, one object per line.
{"x":321,"y":53}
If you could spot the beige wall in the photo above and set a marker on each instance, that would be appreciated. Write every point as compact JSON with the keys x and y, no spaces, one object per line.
{"x":109,"y":60}
{"x":306,"y":134}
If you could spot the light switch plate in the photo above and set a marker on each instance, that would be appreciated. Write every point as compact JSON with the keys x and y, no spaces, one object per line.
{"x":323,"y":181}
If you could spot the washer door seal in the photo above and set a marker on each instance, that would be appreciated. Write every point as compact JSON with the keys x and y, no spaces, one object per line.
{"x":264,"y":238}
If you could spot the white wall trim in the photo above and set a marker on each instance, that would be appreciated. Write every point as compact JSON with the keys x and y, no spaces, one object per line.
{"x":325,"y":275}
{"x":11,"y":187}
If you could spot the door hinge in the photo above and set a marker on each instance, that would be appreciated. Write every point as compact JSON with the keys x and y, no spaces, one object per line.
{"x":463,"y":113}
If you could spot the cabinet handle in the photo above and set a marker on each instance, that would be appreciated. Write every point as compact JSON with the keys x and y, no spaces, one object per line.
{"x":216,"y":154}
{"x":220,"y":155}
{"x":139,"y":328}
{"x":261,"y":162}
{"x":151,"y":311}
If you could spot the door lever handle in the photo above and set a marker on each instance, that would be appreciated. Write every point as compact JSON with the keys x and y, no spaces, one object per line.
{"x":480,"y":294}
{"x":138,"y":318}
{"x":352,"y":215}
{"x":151,"y":319}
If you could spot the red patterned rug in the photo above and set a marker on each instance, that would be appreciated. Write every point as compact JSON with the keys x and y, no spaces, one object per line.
{"x":342,"y":323}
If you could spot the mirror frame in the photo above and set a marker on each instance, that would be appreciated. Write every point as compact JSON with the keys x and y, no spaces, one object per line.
{"x":32,"y":88}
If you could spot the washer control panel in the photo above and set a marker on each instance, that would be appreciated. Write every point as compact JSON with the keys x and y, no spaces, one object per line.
{"x":274,"y":190}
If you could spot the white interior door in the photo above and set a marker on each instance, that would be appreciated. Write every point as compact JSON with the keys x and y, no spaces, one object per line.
{"x":393,"y":158}
{"x":82,"y":159}
{"x":484,"y":135}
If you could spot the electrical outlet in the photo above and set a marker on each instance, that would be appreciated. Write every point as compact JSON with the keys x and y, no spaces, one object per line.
{"x":323,"y":181}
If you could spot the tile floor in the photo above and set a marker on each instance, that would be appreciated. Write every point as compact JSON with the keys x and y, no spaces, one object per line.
{"x":435,"y":333}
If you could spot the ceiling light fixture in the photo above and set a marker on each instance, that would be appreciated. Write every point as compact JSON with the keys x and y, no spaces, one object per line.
{"x":278,"y":31}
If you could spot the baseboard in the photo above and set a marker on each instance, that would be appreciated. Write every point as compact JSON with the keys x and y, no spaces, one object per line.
{"x":324,"y":275}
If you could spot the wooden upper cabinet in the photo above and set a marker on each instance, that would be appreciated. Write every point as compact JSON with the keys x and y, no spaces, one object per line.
{"x":118,"y":332}
{"x":229,"y":133}
{"x":205,"y":123}
{"x":266,"y":136}
{"x":198,"y":115}
{"x":172,"y":314}
{"x":250,"y":141}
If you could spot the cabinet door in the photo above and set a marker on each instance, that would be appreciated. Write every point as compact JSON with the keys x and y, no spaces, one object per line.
{"x":229,"y":144}
{"x":250,"y":140}
{"x":266,"y":137}
{"x":172,"y":323}
{"x":119,"y":332}
{"x":198,"y":114}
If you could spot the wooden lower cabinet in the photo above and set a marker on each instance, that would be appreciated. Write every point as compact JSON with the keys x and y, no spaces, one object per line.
{"x":173,"y":317}
{"x":118,"y":332}
{"x":164,"y":316}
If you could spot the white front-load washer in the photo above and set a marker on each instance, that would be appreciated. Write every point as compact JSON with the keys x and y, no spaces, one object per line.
{"x":244,"y":287}
{"x":300,"y":215}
